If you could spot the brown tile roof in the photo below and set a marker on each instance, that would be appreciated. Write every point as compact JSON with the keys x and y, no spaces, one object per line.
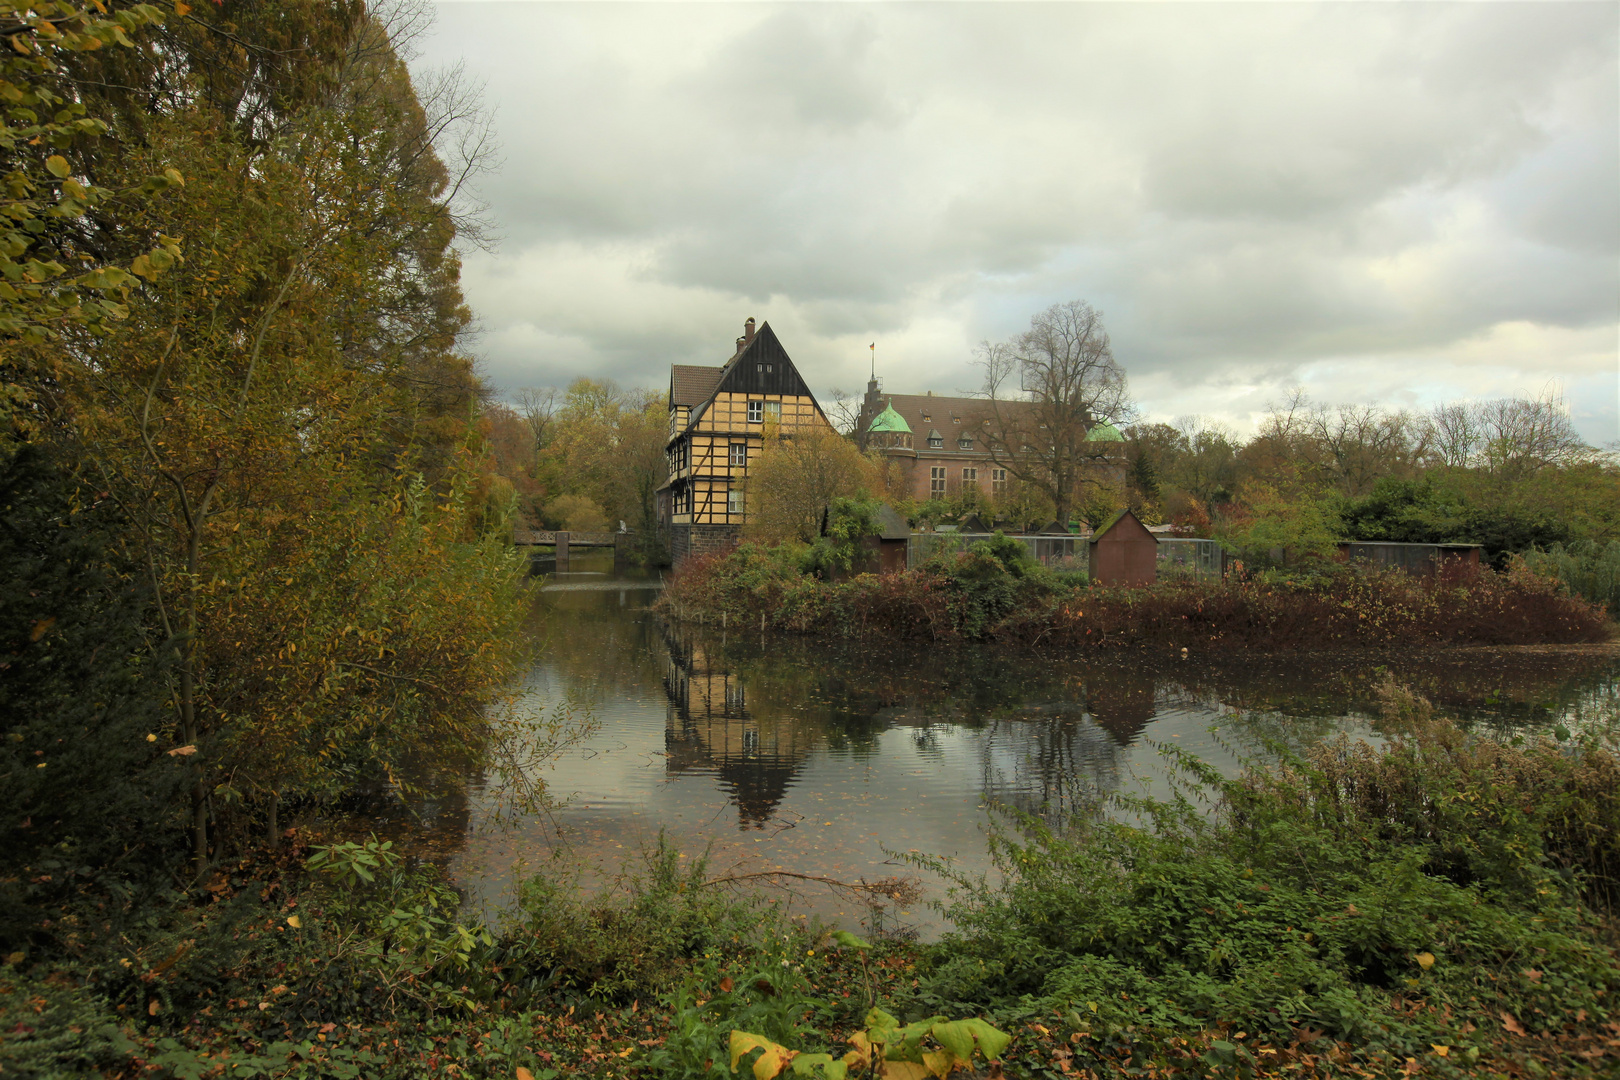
{"x":925,"y":411}
{"x":691,"y":384}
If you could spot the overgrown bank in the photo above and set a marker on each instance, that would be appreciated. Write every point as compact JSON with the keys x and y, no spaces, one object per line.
{"x":1442,"y":906}
{"x":994,"y":591}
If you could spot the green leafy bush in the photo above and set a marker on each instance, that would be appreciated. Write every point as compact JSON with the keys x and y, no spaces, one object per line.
{"x":994,"y":591}
{"x":1396,"y":898}
{"x":1588,"y":569}
{"x":635,"y":940}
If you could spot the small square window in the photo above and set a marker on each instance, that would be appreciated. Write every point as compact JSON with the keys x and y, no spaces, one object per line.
{"x":773,"y":410}
{"x":739,"y":454}
{"x":756,"y":412}
{"x":759,"y":367}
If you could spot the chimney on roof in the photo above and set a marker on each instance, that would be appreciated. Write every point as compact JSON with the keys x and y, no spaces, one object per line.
{"x":748,"y":330}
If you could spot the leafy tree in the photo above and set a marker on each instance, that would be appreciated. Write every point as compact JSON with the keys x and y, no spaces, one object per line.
{"x":260,"y":418}
{"x":1284,"y":529}
{"x":795,"y":479}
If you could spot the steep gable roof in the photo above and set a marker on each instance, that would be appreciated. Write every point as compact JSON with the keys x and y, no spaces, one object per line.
{"x":760,"y":367}
{"x":1131,"y":529}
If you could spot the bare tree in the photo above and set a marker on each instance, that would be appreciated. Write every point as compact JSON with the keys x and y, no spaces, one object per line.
{"x":1522,"y":436}
{"x":1454,"y":434}
{"x":1509,"y":437}
{"x":1353,"y":446}
{"x":539,"y":407}
{"x":843,"y":411}
{"x":1067,"y":382}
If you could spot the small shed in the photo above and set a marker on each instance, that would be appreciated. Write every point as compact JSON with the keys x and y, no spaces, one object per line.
{"x":973,"y":524}
{"x":1419,"y":559}
{"x":1123,"y":552}
{"x":888,"y":547}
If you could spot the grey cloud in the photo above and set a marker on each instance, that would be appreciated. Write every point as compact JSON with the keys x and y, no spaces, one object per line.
{"x":1244,"y":190}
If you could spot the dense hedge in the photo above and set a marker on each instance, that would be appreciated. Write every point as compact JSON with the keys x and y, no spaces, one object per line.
{"x":993,"y":592}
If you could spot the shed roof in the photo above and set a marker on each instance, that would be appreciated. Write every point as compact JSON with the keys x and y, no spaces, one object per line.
{"x":1113,"y":522}
{"x":891,"y":526}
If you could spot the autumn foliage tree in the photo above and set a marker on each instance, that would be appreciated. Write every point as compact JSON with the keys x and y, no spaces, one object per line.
{"x":285,"y":421}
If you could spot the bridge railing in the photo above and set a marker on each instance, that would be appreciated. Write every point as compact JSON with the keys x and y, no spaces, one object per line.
{"x":572,"y":539}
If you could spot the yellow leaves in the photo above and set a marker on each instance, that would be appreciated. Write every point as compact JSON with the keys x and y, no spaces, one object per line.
{"x":182,"y":10}
{"x":295,"y":922}
{"x":1442,"y":1051}
{"x":773,"y":1057}
{"x":523,"y":1074}
{"x":151,"y":738}
{"x":1425,"y":960}
{"x":57,"y":165}
{"x":41,"y":628}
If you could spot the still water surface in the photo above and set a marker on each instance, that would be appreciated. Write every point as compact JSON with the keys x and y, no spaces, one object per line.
{"x":780,"y":754}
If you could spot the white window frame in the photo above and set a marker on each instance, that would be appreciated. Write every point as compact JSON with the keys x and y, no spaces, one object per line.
{"x":734,"y":501}
{"x":738,"y":455}
{"x":756,"y":412}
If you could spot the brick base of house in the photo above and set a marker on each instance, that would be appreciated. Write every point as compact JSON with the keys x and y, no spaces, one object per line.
{"x":686,"y":541}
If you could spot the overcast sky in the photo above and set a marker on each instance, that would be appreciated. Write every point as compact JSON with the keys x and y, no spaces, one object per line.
{"x":1381,"y":203}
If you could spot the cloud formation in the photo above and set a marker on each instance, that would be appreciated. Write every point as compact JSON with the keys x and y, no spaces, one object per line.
{"x":1405,"y":203}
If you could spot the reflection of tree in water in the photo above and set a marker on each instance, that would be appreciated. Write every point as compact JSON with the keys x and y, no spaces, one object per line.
{"x":1048,"y":767}
{"x":1055,"y":758}
{"x":709,"y":726}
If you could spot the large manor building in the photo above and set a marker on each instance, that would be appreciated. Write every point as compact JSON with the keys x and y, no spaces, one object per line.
{"x":940,"y":445}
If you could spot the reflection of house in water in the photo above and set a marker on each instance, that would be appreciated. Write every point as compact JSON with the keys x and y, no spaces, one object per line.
{"x":1123,"y":705}
{"x":709,"y":727}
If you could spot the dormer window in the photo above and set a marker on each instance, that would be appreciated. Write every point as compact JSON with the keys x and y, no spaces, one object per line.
{"x":927,"y":419}
{"x":965,"y":443}
{"x":936,"y":441}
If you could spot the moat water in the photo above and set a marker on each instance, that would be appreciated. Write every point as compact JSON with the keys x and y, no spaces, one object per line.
{"x":836,"y":760}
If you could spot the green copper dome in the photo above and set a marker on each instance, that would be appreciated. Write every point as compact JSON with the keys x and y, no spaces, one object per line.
{"x":889,"y":420}
{"x":1104,"y":433}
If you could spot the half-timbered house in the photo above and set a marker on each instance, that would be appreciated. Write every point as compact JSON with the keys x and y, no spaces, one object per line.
{"x":718,"y":419}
